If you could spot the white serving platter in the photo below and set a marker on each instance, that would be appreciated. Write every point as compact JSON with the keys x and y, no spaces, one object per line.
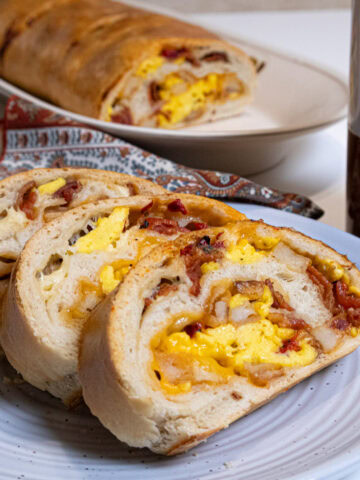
{"x":311,"y":432}
{"x":293,"y":98}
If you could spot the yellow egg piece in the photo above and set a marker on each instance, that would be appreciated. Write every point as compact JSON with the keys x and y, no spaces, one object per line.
{"x":178,"y":107}
{"x":111,"y":275}
{"x":226,"y":348}
{"x":107,"y":231}
{"x":266,"y":243}
{"x":149,"y":65}
{"x":243,"y":252}
{"x":51,"y":187}
{"x":331,"y":269}
{"x":354,"y":290}
{"x":209,"y":267}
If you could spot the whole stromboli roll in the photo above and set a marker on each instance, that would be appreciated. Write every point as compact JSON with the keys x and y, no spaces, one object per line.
{"x":248,"y":311}
{"x":69,"y":266}
{"x":117,"y":63}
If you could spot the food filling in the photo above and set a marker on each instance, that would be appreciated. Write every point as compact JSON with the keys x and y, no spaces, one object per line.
{"x":183,"y":98}
{"x":179,"y":95}
{"x":57,"y":193}
{"x":249,"y":328}
{"x":97,"y":246}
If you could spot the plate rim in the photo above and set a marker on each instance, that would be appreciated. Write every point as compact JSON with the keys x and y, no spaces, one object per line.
{"x":147,"y":132}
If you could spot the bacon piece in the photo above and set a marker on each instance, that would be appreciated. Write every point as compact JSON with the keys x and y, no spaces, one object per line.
{"x":68,"y":191}
{"x":174,"y":53}
{"x":154,"y":92}
{"x":193,"y":328}
{"x":325,"y":287}
{"x":290,"y":344}
{"x":26,"y":200}
{"x":215,"y":57}
{"x":164,"y":226}
{"x":287,"y":320}
{"x":177,"y":206}
{"x":344,"y":298}
{"x":124,"y":116}
{"x":279,"y":300}
{"x":147,"y":207}
{"x":253,"y":289}
{"x":340,"y":321}
{"x":193,"y":226}
{"x":163,"y":289}
{"x":195,"y":255}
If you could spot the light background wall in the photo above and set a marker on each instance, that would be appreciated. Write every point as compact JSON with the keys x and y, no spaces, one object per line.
{"x":236,"y":5}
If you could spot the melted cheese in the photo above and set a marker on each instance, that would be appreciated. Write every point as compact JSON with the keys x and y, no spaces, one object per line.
{"x":51,"y":187}
{"x":106,"y":233}
{"x":149,"y":65}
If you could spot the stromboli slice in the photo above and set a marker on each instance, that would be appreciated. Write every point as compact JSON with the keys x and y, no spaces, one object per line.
{"x":252,"y":311}
{"x":69,"y":266}
{"x":30,"y":199}
{"x":118,"y":63}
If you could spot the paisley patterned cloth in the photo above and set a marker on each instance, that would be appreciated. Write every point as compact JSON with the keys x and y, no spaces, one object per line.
{"x":35,"y":138}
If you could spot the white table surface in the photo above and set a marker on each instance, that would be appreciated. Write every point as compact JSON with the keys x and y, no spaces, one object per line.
{"x":318,"y":167}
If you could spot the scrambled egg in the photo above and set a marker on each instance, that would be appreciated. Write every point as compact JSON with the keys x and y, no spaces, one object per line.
{"x":226,"y":348}
{"x":333,"y":271}
{"x":112,"y":275}
{"x":106,"y":233}
{"x":266,"y":243}
{"x":195,"y":96}
{"x":243,"y":252}
{"x":209,"y":267}
{"x":150,"y":65}
{"x":51,"y":187}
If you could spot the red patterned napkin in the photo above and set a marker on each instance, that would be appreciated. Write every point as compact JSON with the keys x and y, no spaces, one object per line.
{"x":35,"y":138}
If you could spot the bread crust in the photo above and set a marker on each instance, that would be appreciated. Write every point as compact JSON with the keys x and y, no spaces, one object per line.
{"x":118,"y":388}
{"x":84,"y":49}
{"x":30,"y":338}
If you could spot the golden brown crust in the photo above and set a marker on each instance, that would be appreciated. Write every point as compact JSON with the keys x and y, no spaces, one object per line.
{"x":83,"y":48}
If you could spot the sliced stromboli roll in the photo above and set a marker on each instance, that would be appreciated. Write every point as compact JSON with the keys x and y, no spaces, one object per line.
{"x":122,"y":64}
{"x":248,"y":311}
{"x":69,"y":266}
{"x":30,"y":199}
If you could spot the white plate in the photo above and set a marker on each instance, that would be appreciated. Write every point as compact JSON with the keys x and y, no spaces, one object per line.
{"x":293,"y":98}
{"x":312,"y":432}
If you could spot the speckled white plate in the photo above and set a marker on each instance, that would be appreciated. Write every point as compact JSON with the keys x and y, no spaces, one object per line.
{"x":312,"y":432}
{"x":294,"y":97}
